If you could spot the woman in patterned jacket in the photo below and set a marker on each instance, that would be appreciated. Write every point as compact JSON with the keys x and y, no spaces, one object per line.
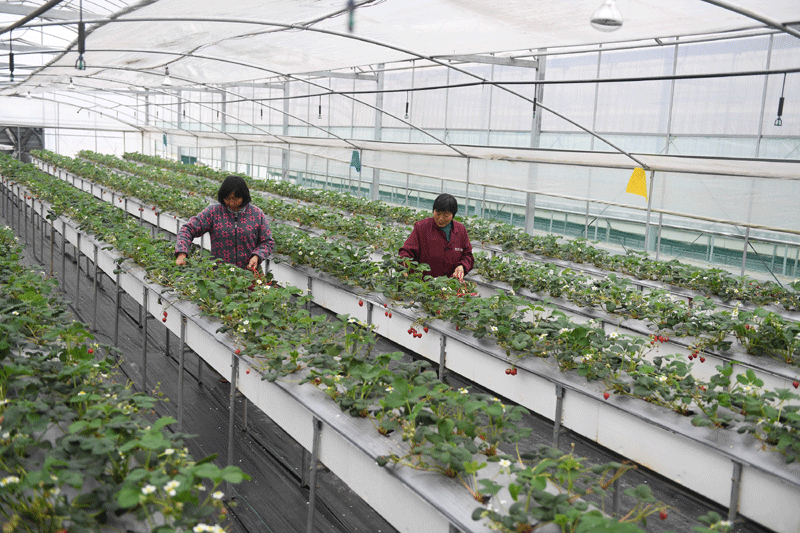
{"x":239,"y":231}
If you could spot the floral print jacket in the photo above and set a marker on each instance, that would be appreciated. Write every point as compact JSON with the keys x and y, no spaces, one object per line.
{"x":235,"y":236}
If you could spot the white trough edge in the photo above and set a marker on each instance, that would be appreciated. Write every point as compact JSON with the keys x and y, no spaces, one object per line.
{"x":472,"y":363}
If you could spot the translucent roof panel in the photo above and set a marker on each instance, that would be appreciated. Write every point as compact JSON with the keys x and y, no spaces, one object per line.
{"x":213,"y":42}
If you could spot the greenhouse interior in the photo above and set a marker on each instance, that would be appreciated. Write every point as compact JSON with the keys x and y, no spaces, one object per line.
{"x":617,"y":351}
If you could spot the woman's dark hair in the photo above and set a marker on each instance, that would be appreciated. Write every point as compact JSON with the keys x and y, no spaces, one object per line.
{"x":235,"y":185}
{"x":446,"y":203}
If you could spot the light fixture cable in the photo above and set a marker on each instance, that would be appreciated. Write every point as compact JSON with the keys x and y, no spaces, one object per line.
{"x":80,"y":64}
{"x":779,"y":121}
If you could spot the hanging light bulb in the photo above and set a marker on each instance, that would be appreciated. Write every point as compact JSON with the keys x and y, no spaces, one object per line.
{"x":778,"y":121}
{"x":71,"y":85}
{"x":607,"y":17}
{"x":166,"y":82}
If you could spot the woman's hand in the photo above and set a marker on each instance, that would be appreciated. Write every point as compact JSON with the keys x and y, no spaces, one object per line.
{"x":459,"y":273}
{"x":252,"y":265}
{"x":180,"y":260}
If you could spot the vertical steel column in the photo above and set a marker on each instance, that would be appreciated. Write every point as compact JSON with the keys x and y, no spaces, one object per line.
{"x":559,"y":413}
{"x":96,"y":271}
{"x":736,"y":480}
{"x":63,"y":252}
{"x":231,"y":408}
{"x":744,"y":252}
{"x":658,"y":239}
{"x":617,"y":497}
{"x":649,"y":210}
{"x":442,"y":356}
{"x":33,"y":231}
{"x":117,"y":299}
{"x":312,"y":491}
{"x":143,"y":312}
{"x":52,"y":243}
{"x":586,"y":222}
{"x":181,"y":371}
{"x":78,"y":272}
{"x":25,"y":217}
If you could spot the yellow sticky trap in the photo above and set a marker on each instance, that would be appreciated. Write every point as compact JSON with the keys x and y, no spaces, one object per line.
{"x":638,"y":183}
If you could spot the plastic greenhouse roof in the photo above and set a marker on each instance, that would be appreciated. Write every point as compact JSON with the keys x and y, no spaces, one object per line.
{"x":213,"y":42}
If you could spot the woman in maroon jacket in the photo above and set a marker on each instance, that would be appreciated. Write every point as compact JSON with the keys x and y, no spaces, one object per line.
{"x":441,"y":242}
{"x":239,"y":231}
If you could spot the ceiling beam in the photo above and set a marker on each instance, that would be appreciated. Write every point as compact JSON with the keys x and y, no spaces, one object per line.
{"x":492,"y":60}
{"x":343,"y":75}
{"x":55,"y":14}
{"x":27,"y":48}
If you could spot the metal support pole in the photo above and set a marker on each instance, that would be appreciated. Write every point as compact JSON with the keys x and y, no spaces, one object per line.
{"x":586,"y":223}
{"x":244,"y":414}
{"x":63,"y":252}
{"x":166,"y":341}
{"x":52,"y":244}
{"x":143,"y":311}
{"x":744,"y":252}
{"x":94,"y":297}
{"x":658,"y":240}
{"x":25,"y":217}
{"x":308,"y":302}
{"x":181,"y":371}
{"x":232,"y":408}
{"x":649,"y":210}
{"x":312,"y":492}
{"x":617,"y":497}
{"x":442,"y":357}
{"x":117,"y":299}
{"x":736,"y":480}
{"x":33,"y":230}
{"x":559,"y":413}
{"x":78,"y":272}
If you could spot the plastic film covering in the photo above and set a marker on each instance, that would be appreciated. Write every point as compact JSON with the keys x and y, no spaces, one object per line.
{"x":258,"y":39}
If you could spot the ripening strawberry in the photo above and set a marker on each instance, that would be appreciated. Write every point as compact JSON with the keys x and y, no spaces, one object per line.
{"x":606,"y":395}
{"x":662,"y":515}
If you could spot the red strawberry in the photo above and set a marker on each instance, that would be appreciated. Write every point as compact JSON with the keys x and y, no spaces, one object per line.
{"x":795,"y":384}
{"x":390,"y":315}
{"x":513,"y":371}
{"x":386,"y":313}
{"x":662,"y":515}
{"x":508,"y":371}
{"x":361,"y":303}
{"x":91,"y":350}
{"x":702,"y":359}
{"x":165,"y":313}
{"x":164,"y":319}
{"x":247,"y":371}
{"x":238,"y":351}
{"x":425,"y":329}
{"x":410,"y":331}
{"x":606,"y":395}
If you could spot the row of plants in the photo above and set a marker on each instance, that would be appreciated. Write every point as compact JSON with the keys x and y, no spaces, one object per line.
{"x":711,"y":281}
{"x":80,"y":452}
{"x":445,"y":429}
{"x":619,"y":361}
{"x":760,"y":332}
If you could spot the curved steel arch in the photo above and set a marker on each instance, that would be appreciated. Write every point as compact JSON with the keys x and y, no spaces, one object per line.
{"x":368,"y":41}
